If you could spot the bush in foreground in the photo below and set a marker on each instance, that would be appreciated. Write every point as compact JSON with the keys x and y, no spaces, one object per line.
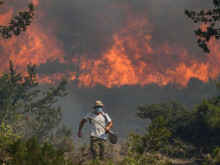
{"x":30,"y":153}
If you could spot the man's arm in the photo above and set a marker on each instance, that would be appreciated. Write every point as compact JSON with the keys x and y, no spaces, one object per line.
{"x":110,"y":124}
{"x":80,"y":127}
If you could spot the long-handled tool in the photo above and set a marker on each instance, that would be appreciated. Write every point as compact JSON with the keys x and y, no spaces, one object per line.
{"x":112,"y":137}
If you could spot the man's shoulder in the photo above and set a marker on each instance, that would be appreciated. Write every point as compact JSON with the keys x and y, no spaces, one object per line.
{"x":104,"y":113}
{"x":88,"y":115}
{"x":107,"y":116}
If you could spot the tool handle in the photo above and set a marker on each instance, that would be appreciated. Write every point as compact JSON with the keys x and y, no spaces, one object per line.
{"x":98,"y":123}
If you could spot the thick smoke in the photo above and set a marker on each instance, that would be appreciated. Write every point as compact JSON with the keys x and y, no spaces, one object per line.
{"x":127,"y":42}
{"x":121,"y":104}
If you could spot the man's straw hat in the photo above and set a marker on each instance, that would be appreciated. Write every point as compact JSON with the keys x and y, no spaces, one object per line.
{"x":98,"y":104}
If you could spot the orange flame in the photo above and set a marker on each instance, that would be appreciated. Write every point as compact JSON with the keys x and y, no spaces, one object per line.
{"x":35,"y":46}
{"x":35,"y":2}
{"x":5,"y":17}
{"x":132,"y":60}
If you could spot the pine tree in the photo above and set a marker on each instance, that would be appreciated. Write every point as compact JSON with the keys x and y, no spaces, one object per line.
{"x":19,"y":22}
{"x":210,"y":19}
{"x":27,"y":109}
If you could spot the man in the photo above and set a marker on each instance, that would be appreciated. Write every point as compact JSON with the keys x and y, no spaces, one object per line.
{"x":98,"y":133}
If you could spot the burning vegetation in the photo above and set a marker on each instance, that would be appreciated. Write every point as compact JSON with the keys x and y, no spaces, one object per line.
{"x":128,"y":57}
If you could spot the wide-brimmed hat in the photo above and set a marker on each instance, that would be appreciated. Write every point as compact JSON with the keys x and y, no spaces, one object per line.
{"x":98,"y":104}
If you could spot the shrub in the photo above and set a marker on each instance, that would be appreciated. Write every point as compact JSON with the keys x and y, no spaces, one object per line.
{"x":7,"y":137}
{"x":31,"y":153}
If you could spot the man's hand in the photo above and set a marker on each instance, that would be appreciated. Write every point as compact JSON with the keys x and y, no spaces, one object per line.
{"x":79,"y":134}
{"x":110,"y":124}
{"x":107,"y":128}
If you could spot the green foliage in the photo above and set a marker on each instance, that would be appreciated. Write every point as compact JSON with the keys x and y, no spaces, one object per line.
{"x":209,"y":114}
{"x":157,"y":135}
{"x":63,"y":139}
{"x":140,"y":149}
{"x":179,"y":149}
{"x":147,"y":159}
{"x":7,"y":137}
{"x":214,"y":159}
{"x":29,"y":111}
{"x":19,"y":23}
{"x":200,"y":127}
{"x":135,"y":143}
{"x":94,"y":162}
{"x":210,"y":19}
{"x":204,"y":129}
{"x":168,"y":110}
{"x":175,"y":115}
{"x":155,"y":139}
{"x":31,"y":153}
